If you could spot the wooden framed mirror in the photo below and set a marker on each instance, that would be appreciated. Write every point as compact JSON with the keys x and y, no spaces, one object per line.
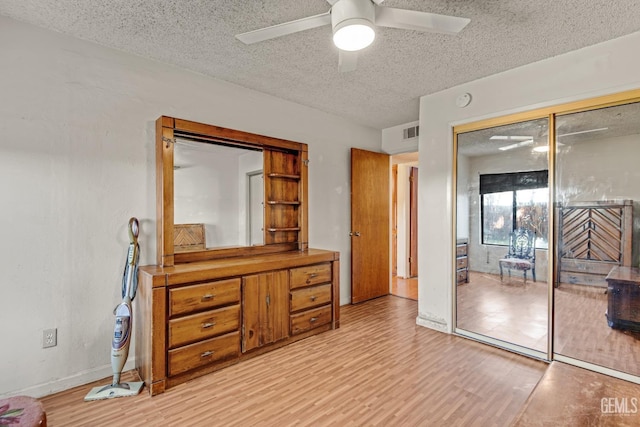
{"x":213,"y":171}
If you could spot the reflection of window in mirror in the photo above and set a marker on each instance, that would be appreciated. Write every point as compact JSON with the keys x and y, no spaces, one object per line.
{"x":514,"y":200}
{"x":502,"y":177}
{"x":213,"y":186}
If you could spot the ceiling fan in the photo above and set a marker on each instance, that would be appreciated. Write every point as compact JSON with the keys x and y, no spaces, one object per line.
{"x":353,"y":24}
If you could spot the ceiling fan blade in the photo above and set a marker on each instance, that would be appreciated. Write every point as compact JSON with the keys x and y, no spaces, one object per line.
{"x":347,"y":60}
{"x":285,"y":28}
{"x":419,"y":21}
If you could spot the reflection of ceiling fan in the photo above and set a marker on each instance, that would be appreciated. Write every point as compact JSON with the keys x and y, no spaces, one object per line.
{"x":353,"y":26}
{"x":529,"y":140}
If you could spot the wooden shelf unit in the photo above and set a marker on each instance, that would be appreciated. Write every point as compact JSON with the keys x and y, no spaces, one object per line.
{"x":284,"y":196}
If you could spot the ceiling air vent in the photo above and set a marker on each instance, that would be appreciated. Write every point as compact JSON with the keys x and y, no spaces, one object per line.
{"x":411,"y":132}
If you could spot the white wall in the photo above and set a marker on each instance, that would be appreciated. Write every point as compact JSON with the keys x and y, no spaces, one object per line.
{"x":77,"y":161}
{"x":463,"y":208}
{"x":605,"y":68}
{"x":206,"y":190}
{"x":250,"y":162}
{"x":603,"y":169}
{"x":393,"y":142}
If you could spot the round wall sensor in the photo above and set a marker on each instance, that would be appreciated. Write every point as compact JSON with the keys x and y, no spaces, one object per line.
{"x":463,"y":100}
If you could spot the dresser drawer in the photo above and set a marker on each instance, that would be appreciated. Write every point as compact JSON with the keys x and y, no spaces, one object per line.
{"x":461,"y":276}
{"x":461,"y":250}
{"x":310,"y":297}
{"x":461,"y":262}
{"x":203,"y":325}
{"x":310,"y":319}
{"x":203,"y":296}
{"x":310,"y":275}
{"x":203,"y":353}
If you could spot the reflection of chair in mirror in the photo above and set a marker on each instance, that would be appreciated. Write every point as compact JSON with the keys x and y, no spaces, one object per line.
{"x":522,"y":253}
{"x":187,"y":237}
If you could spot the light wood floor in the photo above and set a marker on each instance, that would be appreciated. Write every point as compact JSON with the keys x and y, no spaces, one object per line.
{"x":514,"y":312}
{"x":378,"y":369}
{"x":405,"y":288}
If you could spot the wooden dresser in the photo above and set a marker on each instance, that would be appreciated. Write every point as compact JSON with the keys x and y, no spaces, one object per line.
{"x":462,"y":262}
{"x":623,"y":292}
{"x":195,"y":318}
{"x":203,"y":308}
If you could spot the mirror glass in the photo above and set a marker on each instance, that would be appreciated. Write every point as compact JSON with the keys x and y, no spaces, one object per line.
{"x":597,"y":292}
{"x":218,"y":196}
{"x":502,"y":200}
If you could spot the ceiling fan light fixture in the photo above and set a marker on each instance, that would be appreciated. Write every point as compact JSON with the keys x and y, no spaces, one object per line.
{"x":353,"y":34}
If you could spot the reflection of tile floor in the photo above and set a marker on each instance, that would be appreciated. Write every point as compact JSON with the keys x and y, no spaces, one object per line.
{"x":571,"y":396}
{"x":517,"y":313}
{"x":582,"y":331}
{"x":509,"y":311}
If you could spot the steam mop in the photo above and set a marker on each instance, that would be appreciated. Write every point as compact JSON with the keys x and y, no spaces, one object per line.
{"x":123,"y":326}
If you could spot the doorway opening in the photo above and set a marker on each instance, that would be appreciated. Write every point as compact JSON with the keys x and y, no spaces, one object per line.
{"x":404,"y":225}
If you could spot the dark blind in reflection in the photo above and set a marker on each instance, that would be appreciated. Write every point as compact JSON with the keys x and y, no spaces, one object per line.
{"x":499,"y":182}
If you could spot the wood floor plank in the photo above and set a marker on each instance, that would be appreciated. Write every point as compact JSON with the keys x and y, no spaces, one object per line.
{"x":379,"y":368}
{"x":405,"y":288}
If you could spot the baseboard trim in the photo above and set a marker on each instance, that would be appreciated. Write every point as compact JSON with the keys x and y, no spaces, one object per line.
{"x":433,"y":322}
{"x":75,"y":380}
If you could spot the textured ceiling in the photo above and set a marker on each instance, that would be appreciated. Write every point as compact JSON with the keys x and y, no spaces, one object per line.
{"x":398,"y":68}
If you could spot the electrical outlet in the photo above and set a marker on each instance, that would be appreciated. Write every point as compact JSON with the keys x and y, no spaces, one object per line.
{"x":49,"y":338}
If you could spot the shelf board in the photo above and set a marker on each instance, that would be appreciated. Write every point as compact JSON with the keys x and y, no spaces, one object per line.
{"x":281,"y":202}
{"x":283,"y":175}
{"x":275,"y":229}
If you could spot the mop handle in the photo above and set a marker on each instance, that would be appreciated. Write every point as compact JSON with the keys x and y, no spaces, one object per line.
{"x":133,"y":233}
{"x":129,"y":287}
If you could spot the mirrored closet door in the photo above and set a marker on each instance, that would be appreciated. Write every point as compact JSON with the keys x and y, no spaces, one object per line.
{"x":597,"y":289}
{"x":547,"y":260}
{"x":502,"y":229}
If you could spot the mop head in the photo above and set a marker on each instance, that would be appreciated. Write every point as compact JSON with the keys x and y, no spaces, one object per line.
{"x":111,"y":391}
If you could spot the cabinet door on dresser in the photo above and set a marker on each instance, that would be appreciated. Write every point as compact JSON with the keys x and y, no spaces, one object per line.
{"x":265,"y":309}
{"x":310,"y":296}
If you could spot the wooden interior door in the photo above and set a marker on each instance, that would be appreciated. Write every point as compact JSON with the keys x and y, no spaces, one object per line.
{"x":370,"y":224}
{"x":394,"y":220}
{"x":413,"y":222}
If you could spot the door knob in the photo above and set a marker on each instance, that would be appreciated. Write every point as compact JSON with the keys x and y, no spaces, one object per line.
{"x":354,"y":233}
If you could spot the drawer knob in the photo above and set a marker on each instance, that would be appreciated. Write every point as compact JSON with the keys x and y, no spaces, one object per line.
{"x":312,"y":275}
{"x":207,"y":354}
{"x":207,"y":297}
{"x":313,"y":319}
{"x":208,"y":325}
{"x":313,"y":298}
